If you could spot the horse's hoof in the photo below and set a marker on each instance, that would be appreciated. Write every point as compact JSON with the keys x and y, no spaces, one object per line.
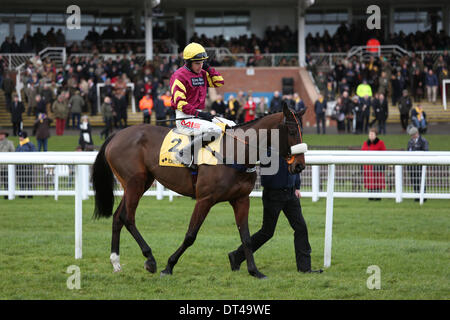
{"x":166,"y":272}
{"x":233,"y":263}
{"x":150,"y":266}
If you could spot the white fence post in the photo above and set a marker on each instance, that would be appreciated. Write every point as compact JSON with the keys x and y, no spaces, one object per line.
{"x":85,"y":174}
{"x":11,"y":181}
{"x":398,"y":183}
{"x":329,"y":217}
{"x":159,"y":191}
{"x":78,"y":211}
{"x":56,"y":180}
{"x":315,"y":182}
{"x":422,"y":183}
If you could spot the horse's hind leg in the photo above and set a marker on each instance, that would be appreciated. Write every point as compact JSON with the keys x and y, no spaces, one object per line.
{"x":118,"y":218}
{"x":134,"y":191}
{"x":198,"y":216}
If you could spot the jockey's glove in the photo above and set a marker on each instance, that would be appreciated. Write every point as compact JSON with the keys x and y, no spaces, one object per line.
{"x":205,"y":115}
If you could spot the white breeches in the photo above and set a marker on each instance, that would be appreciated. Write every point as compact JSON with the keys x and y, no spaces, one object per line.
{"x":195,"y":126}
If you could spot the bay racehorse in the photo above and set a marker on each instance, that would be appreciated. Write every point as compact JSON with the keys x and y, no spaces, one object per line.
{"x":132,"y":155}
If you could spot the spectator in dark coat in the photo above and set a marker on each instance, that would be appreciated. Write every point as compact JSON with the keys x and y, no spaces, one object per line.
{"x":41,"y":107}
{"x":357,"y":116}
{"x":107,"y":112}
{"x":161,"y":111}
{"x":17,"y":108}
{"x":26,"y":44}
{"x":365,"y":103}
{"x":92,"y":97}
{"x":218,"y":107}
{"x":120,"y":106}
{"x":381,"y":111}
{"x":76,"y":104}
{"x":418,"y":85}
{"x":41,"y":129}
{"x":320,"y":107}
{"x":396,"y":88}
{"x":416,"y":143}
{"x":276,"y":104}
{"x":8,"y":88}
{"x":404,"y":107}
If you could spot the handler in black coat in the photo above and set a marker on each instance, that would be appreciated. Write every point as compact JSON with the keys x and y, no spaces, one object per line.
{"x":281,"y":192}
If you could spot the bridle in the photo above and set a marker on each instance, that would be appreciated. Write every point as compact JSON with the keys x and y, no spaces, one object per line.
{"x":289,"y":157}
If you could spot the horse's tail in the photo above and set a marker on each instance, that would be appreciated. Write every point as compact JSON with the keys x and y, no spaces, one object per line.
{"x":103,"y":182}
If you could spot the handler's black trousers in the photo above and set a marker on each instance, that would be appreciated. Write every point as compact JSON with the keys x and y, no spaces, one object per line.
{"x":275,"y":200}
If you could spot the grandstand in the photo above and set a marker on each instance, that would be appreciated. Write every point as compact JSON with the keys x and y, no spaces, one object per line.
{"x":256,"y":44}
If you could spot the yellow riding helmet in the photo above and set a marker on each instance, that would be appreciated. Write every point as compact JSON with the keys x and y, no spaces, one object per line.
{"x":194,"y":52}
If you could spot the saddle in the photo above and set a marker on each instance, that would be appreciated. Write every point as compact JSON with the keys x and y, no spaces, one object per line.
{"x":174,"y":141}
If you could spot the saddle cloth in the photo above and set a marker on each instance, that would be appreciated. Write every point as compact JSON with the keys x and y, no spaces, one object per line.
{"x":174,"y":142}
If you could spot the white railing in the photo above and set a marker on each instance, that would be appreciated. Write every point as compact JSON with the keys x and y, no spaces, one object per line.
{"x":56,"y":54}
{"x":364,"y":51}
{"x":15,"y":60}
{"x":329,"y":174}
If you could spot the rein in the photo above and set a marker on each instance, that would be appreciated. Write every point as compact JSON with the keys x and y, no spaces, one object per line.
{"x":290,"y":158}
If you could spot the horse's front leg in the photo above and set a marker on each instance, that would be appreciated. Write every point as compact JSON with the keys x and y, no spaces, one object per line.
{"x":241,"y":207}
{"x":201,"y":210}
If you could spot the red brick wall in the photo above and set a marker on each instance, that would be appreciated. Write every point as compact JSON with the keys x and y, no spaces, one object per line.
{"x":266,"y":80}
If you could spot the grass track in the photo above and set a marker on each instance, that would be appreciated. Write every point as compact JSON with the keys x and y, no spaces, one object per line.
{"x":409,"y":243}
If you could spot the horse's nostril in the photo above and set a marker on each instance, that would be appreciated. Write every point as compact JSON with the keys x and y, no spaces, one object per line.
{"x":299,"y":167}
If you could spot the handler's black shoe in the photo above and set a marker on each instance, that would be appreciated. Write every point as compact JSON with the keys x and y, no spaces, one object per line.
{"x":312,"y":271}
{"x":235,"y":265}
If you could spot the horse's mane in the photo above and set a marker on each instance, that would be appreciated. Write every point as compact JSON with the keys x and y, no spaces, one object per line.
{"x":252,"y":121}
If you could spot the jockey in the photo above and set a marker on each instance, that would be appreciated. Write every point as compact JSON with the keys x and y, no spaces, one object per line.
{"x":188,"y":86}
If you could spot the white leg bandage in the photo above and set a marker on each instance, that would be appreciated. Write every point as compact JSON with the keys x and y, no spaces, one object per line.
{"x":115,"y":261}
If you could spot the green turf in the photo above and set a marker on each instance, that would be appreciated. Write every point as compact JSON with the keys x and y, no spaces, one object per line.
{"x":395,"y":141}
{"x":410,"y":244}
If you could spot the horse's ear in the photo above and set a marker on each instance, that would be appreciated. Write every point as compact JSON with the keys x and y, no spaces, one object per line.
{"x":301,"y":112}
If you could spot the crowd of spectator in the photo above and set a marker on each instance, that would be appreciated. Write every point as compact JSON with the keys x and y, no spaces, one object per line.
{"x":359,"y":89}
{"x":114,"y":39}
{"x":352,"y":87}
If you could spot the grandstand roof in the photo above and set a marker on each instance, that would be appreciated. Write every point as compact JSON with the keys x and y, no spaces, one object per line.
{"x":117,"y":5}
